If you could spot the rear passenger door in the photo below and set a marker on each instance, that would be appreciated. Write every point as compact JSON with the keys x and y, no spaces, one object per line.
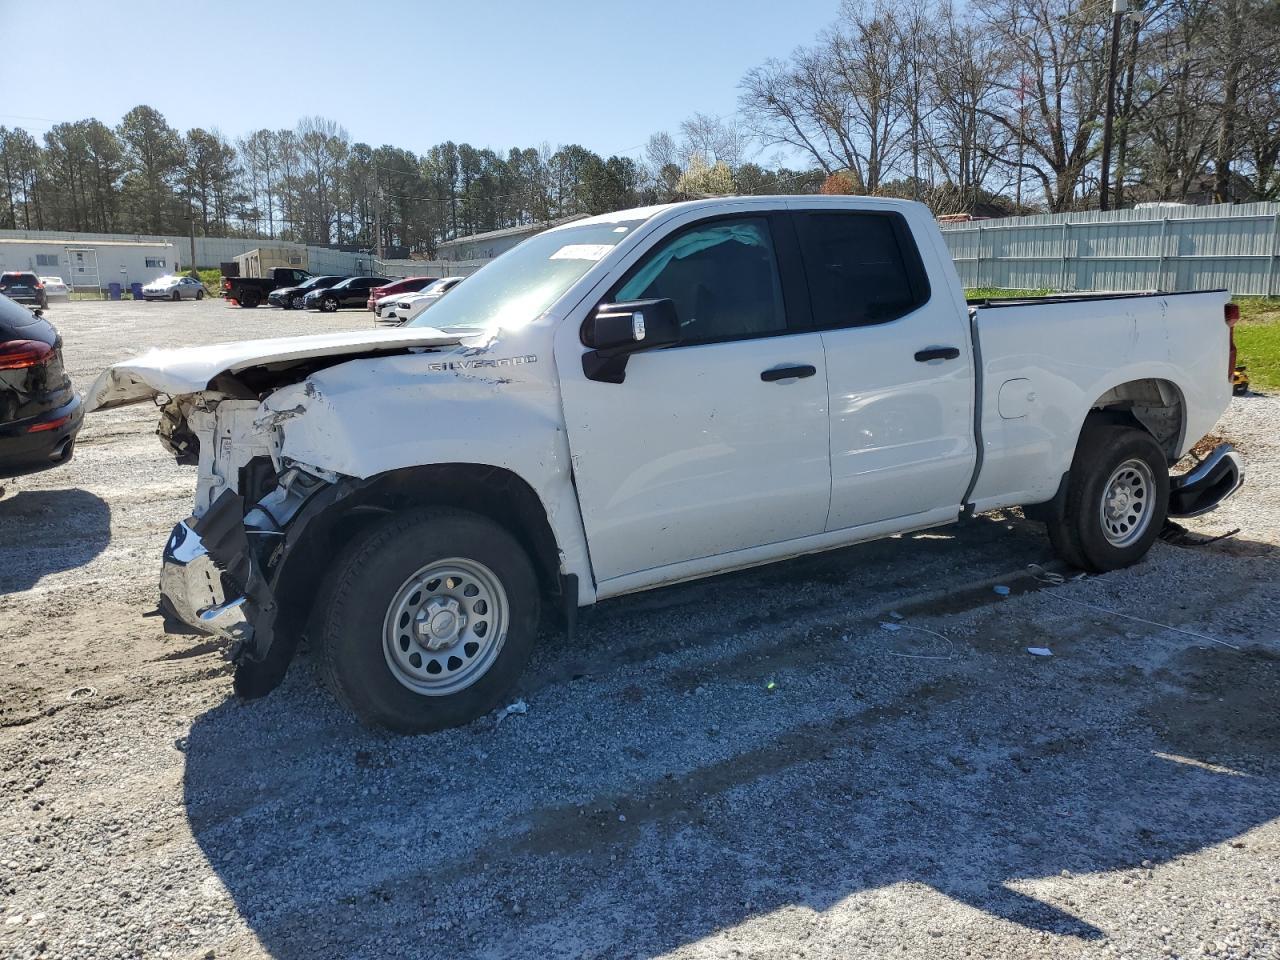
{"x":899,"y":370}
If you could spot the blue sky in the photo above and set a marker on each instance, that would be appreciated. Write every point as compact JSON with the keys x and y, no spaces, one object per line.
{"x":499,"y":73}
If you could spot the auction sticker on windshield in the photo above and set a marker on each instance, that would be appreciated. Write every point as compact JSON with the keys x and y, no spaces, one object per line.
{"x":581,"y":251}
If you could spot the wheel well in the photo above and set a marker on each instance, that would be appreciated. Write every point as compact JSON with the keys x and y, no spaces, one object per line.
{"x":493,"y":492}
{"x":1155,"y":406}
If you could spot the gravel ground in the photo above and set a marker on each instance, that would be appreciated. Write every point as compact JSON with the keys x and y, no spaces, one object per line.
{"x":749,"y":766}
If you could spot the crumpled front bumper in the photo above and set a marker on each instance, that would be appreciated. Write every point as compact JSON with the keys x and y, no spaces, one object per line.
{"x":194,"y":590}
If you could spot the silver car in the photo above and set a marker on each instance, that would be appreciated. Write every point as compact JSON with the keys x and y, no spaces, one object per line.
{"x":173,"y":288}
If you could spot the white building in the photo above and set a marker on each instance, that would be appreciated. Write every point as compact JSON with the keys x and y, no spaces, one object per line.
{"x":90,"y":264}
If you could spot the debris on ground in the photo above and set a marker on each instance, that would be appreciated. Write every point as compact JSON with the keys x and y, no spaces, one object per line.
{"x":510,"y":710}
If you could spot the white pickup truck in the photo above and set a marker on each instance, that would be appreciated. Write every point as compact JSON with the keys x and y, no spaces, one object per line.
{"x":647,"y":397}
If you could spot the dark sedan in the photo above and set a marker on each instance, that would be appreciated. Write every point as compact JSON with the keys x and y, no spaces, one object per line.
{"x":352,"y":292}
{"x":40,"y":412}
{"x":290,"y":298}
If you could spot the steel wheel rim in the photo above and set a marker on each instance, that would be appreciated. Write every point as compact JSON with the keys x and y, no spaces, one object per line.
{"x":452,"y":614}
{"x":1128,"y":503}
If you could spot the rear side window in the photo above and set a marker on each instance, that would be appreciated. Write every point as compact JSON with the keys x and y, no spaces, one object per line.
{"x":722,"y":276}
{"x":863,"y":268}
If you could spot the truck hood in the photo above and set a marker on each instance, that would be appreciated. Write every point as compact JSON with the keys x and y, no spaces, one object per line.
{"x":191,"y":369}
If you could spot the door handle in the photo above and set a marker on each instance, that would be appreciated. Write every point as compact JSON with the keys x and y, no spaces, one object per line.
{"x":937,"y":353}
{"x":794,"y":372}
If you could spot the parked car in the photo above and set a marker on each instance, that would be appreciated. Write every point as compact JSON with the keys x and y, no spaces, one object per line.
{"x":253,"y":291}
{"x":648,"y":397}
{"x":173,"y":288}
{"x":23,"y":286}
{"x":40,"y":412}
{"x":290,"y":298}
{"x":397,"y":288}
{"x":56,"y":287}
{"x":405,"y":308}
{"x":351,"y":292}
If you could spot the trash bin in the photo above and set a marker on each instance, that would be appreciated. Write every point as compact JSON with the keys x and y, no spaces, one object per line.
{"x":136,"y":290}
{"x":113,"y":291}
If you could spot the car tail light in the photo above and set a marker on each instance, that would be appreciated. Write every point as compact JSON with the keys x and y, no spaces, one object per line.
{"x":1231,"y":313}
{"x":50,"y":424}
{"x":226,"y":284}
{"x":21,"y":354}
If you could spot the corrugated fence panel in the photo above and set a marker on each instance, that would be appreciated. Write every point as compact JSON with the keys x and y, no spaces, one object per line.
{"x":429,"y":268}
{"x":1172,"y":248}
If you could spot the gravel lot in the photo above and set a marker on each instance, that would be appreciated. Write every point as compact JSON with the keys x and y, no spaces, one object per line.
{"x":750,"y":766}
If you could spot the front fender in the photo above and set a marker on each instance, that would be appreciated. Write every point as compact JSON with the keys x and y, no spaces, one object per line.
{"x":374,"y":416}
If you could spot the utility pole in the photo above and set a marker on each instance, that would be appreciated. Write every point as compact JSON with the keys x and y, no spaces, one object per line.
{"x":1022,"y":123}
{"x":191,"y":223}
{"x":377,"y":222}
{"x":1118,"y":9}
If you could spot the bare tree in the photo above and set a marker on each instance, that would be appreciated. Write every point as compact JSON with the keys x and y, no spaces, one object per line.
{"x":839,"y":101}
{"x":965,"y":142}
{"x":1053,"y":66}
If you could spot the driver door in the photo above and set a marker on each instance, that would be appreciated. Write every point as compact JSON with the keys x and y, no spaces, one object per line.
{"x":705,"y":448}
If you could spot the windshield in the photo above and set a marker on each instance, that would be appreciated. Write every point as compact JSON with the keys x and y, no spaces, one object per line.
{"x":519,"y":285}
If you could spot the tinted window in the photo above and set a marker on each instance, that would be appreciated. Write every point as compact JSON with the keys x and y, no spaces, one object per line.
{"x":722,"y":276}
{"x":862,"y":267}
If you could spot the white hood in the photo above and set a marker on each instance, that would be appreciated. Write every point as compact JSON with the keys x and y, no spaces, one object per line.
{"x":190,"y":369}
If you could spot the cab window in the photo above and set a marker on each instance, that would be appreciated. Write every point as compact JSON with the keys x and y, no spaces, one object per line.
{"x":722,"y":276}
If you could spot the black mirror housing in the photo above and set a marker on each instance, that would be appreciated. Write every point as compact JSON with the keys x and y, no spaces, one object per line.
{"x":617,"y":330}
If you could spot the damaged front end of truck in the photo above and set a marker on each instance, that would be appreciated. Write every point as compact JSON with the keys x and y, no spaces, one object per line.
{"x":225,"y":567}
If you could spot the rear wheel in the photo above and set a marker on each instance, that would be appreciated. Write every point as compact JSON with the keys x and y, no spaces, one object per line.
{"x":1116,"y":502}
{"x":249,"y":301}
{"x":431,"y":620}
{"x":199,"y":294}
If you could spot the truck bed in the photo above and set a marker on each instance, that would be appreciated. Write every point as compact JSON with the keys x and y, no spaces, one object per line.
{"x":1044,"y":362}
{"x":1079,"y":297}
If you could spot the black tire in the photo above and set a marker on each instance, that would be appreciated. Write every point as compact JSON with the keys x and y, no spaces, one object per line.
{"x":329,"y":305}
{"x":362,"y":587}
{"x":1076,"y":530}
{"x":199,"y":294}
{"x":177,"y":295}
{"x":249,"y":301}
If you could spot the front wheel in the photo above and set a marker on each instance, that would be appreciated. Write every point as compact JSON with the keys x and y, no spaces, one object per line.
{"x":1117,"y":499}
{"x":177,"y":295}
{"x":329,"y":305}
{"x":431,"y":620}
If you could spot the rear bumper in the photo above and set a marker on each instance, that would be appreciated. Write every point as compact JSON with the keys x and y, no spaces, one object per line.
{"x":39,"y":443}
{"x":1203,"y":488}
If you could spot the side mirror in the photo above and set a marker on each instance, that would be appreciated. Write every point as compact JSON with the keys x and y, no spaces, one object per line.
{"x":617,"y":330}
